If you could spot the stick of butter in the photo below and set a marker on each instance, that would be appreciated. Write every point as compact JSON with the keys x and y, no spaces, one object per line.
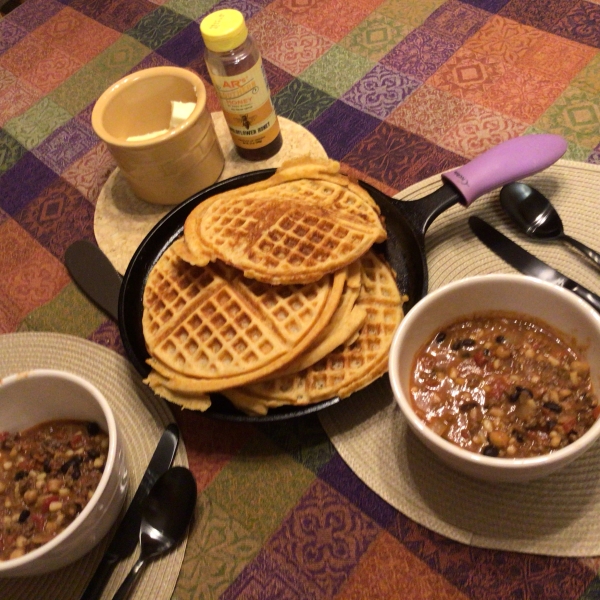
{"x":180,"y":111}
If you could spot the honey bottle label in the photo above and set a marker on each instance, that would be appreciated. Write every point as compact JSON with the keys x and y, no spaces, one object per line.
{"x":247,"y":107}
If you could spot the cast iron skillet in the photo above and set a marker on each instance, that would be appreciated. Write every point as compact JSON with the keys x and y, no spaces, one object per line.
{"x":406,"y":224}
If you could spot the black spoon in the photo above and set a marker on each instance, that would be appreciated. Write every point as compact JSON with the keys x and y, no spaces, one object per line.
{"x":166,"y":514}
{"x":536,"y":216}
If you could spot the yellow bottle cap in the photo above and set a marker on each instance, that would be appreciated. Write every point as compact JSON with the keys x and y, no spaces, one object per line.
{"x":224,"y":30}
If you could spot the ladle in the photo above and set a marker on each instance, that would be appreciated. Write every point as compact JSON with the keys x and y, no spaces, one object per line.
{"x":166,"y":514}
{"x":536,"y":216}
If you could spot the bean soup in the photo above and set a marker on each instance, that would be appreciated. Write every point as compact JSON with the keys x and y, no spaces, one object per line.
{"x":503,"y":385}
{"x":48,"y":474}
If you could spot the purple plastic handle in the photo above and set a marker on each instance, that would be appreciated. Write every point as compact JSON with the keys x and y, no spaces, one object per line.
{"x":509,"y":161}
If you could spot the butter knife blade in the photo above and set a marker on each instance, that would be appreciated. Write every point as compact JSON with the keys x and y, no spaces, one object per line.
{"x":525,"y":262}
{"x":126,"y":537}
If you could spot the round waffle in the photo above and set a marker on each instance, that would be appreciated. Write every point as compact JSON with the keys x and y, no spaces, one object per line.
{"x":349,"y":367}
{"x":305,"y":221}
{"x":209,"y":327}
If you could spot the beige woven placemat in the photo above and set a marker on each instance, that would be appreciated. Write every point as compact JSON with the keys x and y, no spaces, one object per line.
{"x":122,"y":220}
{"x":141,"y":417}
{"x":558,"y":515}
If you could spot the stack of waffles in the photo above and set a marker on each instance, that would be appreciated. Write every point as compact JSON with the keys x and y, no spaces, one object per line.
{"x":273,"y":296}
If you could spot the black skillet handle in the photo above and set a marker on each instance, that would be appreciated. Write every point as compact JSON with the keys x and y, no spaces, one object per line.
{"x":508,"y":161}
{"x":93,"y":272}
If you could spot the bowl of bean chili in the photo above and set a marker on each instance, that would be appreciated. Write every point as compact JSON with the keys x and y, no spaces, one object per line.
{"x":63,"y":475}
{"x":498,"y":375}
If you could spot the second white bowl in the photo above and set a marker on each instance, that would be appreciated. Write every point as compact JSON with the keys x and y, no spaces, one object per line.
{"x":559,"y":308}
{"x":36,"y":396}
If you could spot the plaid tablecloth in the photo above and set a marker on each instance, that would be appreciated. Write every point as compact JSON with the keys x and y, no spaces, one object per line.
{"x":397,"y":90}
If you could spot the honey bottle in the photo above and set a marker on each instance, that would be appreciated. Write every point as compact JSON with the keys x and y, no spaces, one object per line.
{"x":236,"y":70}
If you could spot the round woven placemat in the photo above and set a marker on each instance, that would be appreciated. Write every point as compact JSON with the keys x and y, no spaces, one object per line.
{"x":558,"y":515}
{"x":141,"y":418}
{"x":121,"y":220}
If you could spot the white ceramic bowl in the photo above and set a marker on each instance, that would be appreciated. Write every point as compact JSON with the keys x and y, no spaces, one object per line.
{"x":33,"y":397}
{"x":559,"y":308}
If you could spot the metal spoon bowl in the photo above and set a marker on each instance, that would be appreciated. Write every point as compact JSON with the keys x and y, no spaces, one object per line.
{"x":536,"y":216}
{"x":167,"y":512}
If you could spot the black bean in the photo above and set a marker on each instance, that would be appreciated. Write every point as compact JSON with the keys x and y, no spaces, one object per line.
{"x":47,"y":467}
{"x":467,"y":406}
{"x":76,"y":473}
{"x":24,"y":516}
{"x":72,"y":462}
{"x":486,"y":351}
{"x":553,"y":406}
{"x":518,"y":436}
{"x":93,"y":428}
{"x":440,"y":337}
{"x":490,"y":450}
{"x":456,"y":345}
{"x":93,"y":453}
{"x":21,"y":475}
{"x":468,"y":343}
{"x":500,"y":339}
{"x":516,"y":395}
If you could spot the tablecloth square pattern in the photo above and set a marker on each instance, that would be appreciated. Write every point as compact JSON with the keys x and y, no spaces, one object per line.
{"x":325,"y":74}
{"x":24,"y":181}
{"x":65,"y":145}
{"x":543,"y":16}
{"x":420,"y":53}
{"x":31,"y":276}
{"x":390,"y":570}
{"x":68,"y":312}
{"x":11,"y":34}
{"x":85,"y":86}
{"x":497,"y":573}
{"x":340,"y":127}
{"x":577,"y":124}
{"x":51,"y":67}
{"x":300,"y":102}
{"x":395,"y":155}
{"x":183,"y":47}
{"x":269,"y":26}
{"x":277,"y":77}
{"x":118,"y":16}
{"x":375,"y":36}
{"x":12,"y":151}
{"x":33,"y":126}
{"x":380,"y":91}
{"x":107,"y":335}
{"x":314,"y":550}
{"x":76,"y":35}
{"x":158,"y":27}
{"x":58,"y":217}
{"x":339,"y":476}
{"x":297,"y":50}
{"x":576,"y":23}
{"x":16,"y":96}
{"x":90,"y":172}
{"x":36,"y":13}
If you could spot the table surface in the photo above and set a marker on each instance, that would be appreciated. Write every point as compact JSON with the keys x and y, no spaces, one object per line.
{"x":397,"y":90}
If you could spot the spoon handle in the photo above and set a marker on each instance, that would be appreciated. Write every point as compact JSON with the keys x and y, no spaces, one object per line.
{"x":591,"y":254}
{"x":129,"y":581}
